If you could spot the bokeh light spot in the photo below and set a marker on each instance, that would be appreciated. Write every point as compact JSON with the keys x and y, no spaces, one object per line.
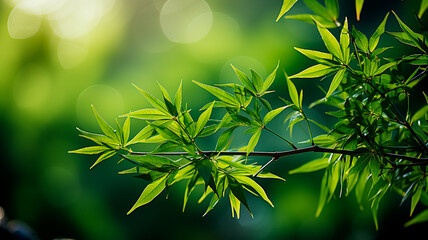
{"x":22,"y":24}
{"x":71,"y":53}
{"x":186,"y":21}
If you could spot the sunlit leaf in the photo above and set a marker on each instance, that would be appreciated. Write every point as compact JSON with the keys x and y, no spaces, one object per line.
{"x":374,"y":39}
{"x":270,"y":115}
{"x":311,"y":166}
{"x":220,"y":94}
{"x":238,"y":191}
{"x":286,"y":5}
{"x":360,"y":39}
{"x":332,"y":7}
{"x":150,"y":192}
{"x":203,"y":119}
{"x":254,"y":186}
{"x":358,"y":7}
{"x":253,"y":141}
{"x":422,"y":8}
{"x":292,"y":91}
{"x":330,"y":41}
{"x":318,"y":9}
{"x":420,"y":218}
{"x":105,"y":127}
{"x":90,"y":150}
{"x":106,"y":155}
{"x":337,"y":79}
{"x":148,"y":114}
{"x":269,"y":80}
{"x":153,"y":100}
{"x":245,"y":80}
{"x":315,"y":71}
{"x":414,"y":37}
{"x":142,"y":135}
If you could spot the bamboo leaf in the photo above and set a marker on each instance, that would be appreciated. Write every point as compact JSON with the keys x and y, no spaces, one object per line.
{"x":254,"y":186}
{"x":270,"y":115}
{"x":203,"y":119}
{"x":223,"y":139}
{"x":286,"y":5}
{"x":104,"y":156}
{"x":420,"y":218}
{"x":153,"y":100}
{"x":358,"y":7}
{"x":142,"y":135}
{"x":269,"y":80}
{"x":337,"y":79}
{"x":414,"y":37}
{"x":90,"y":150}
{"x":320,"y":57}
{"x":150,"y":192}
{"x":360,"y":40}
{"x":292,"y":91}
{"x":179,"y":97}
{"x":257,"y":81}
{"x":148,"y":114}
{"x":415,"y":199}
{"x":220,"y":94}
{"x":315,"y":71}
{"x":329,"y":41}
{"x":317,"y":8}
{"x":105,"y":127}
{"x":238,"y":191}
{"x":309,"y":18}
{"x":332,"y":7}
{"x":374,"y":39}
{"x":253,"y":141}
{"x":126,"y":128}
{"x":245,"y":80}
{"x":422,"y":8}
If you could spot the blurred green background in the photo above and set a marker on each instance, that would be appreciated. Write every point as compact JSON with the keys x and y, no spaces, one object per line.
{"x":59,"y":57}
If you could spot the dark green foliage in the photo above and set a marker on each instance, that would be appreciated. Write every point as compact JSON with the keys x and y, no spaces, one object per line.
{"x":372,"y":148}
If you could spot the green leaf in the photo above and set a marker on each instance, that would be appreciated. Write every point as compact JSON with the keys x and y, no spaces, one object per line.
{"x":311,"y":166}
{"x":309,"y":18}
{"x":286,"y":5}
{"x":98,"y":138}
{"x":105,"y":127}
{"x":420,"y":218}
{"x":220,"y":94}
{"x":270,"y":115}
{"x":142,"y":135}
{"x":179,"y":97}
{"x":238,"y":191}
{"x":415,"y":199}
{"x":420,"y":114}
{"x":104,"y":156}
{"x":292,"y":91}
{"x":223,"y":139}
{"x":153,"y":100}
{"x":148,"y":114}
{"x":320,"y":57}
{"x":189,"y":188}
{"x":345,"y":41}
{"x":329,"y":41}
{"x":358,"y":7}
{"x":203,"y":119}
{"x":317,"y":8}
{"x":323,"y":194}
{"x":150,"y":192}
{"x":90,"y":150}
{"x":253,"y":186}
{"x":170,"y":106}
{"x":423,"y":8}
{"x":337,"y":79}
{"x":269,"y":80}
{"x":155,"y":163}
{"x":374,"y":39}
{"x":253,"y":141}
{"x":257,"y":81}
{"x":315,"y":71}
{"x":384,"y":67}
{"x":332,"y":8}
{"x":126,"y":128}
{"x":245,"y":80}
{"x":414,"y":37}
{"x":360,"y":40}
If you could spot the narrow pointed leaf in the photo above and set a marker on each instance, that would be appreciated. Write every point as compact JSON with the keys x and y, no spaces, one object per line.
{"x":309,"y":18}
{"x":203,"y":119}
{"x":142,"y":135}
{"x":423,"y":8}
{"x":286,"y":5}
{"x":148,"y":114}
{"x":358,"y":7}
{"x":245,"y":80}
{"x":254,"y":186}
{"x":414,"y":37}
{"x":103,"y":157}
{"x":318,"y":9}
{"x":223,"y":139}
{"x":329,"y":41}
{"x":150,"y":192}
{"x":270,"y":115}
{"x":238,"y":191}
{"x":153,"y":100}
{"x":90,"y":150}
{"x":321,"y":57}
{"x":374,"y":39}
{"x":311,"y":166}
{"x":315,"y":71}
{"x":269,"y":80}
{"x":253,"y":141}
{"x":105,"y":127}
{"x":220,"y":94}
{"x":335,"y":82}
{"x":420,"y":218}
{"x":360,"y":40}
{"x":292,"y":91}
{"x":178,"y":97}
{"x":332,"y":7}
